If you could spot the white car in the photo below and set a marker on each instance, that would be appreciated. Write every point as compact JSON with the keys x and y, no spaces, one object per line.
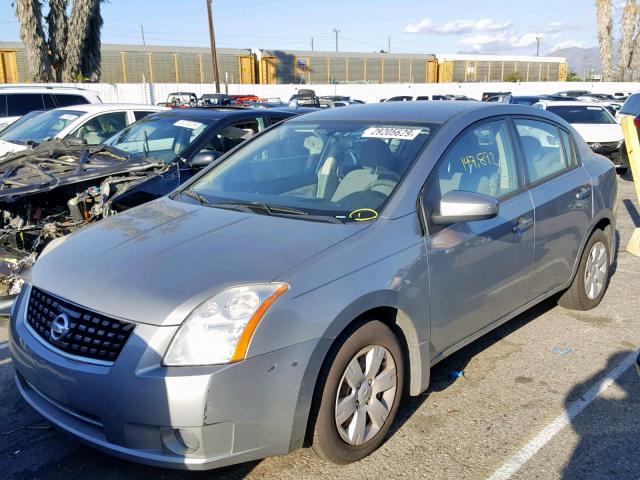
{"x":91,"y":123}
{"x":595,"y":125}
{"x":630,"y":107}
{"x":18,"y":101}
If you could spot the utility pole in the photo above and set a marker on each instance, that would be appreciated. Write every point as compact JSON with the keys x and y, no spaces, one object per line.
{"x":214,"y":53}
{"x":389,"y":44}
{"x":337,"y":31}
{"x":538,"y":46}
{"x":312,"y":44}
{"x":142,"y":31}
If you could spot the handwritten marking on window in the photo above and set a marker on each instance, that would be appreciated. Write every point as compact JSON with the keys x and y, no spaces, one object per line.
{"x":482,"y":159}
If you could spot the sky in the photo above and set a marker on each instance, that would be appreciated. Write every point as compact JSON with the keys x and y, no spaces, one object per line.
{"x":413,"y":26}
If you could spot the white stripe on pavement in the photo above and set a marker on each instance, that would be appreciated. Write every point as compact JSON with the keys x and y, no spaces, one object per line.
{"x":530,"y":449}
{"x":4,"y":345}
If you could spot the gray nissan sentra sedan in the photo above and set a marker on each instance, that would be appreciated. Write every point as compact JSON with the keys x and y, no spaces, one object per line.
{"x":291,"y":293}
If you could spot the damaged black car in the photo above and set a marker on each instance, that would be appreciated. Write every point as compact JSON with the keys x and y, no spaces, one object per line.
{"x":59,"y":186}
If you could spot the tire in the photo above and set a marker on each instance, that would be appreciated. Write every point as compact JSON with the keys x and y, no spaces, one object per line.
{"x":340,"y":444}
{"x":578,"y":296}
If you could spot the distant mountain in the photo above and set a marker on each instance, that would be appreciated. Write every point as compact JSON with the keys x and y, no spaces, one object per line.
{"x":580,"y":60}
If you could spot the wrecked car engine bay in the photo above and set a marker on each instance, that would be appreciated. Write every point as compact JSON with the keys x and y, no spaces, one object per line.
{"x":57,"y":187}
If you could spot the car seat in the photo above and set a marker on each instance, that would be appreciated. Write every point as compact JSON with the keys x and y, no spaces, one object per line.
{"x":376,"y":174}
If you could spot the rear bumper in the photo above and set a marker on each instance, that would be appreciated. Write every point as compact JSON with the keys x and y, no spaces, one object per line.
{"x":181,"y":417}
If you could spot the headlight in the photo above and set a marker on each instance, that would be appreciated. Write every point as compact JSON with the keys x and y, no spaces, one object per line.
{"x":220,"y":329}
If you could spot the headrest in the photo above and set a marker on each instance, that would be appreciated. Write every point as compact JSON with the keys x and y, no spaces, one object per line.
{"x":375,"y":153}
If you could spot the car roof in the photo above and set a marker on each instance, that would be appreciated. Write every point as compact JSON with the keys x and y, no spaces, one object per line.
{"x":108,"y":107}
{"x":39,"y":89}
{"x":209,"y":113}
{"x":559,"y":103}
{"x":418,"y":112}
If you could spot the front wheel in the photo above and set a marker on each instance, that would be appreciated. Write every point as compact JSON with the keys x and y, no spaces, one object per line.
{"x":591,"y":280}
{"x":358,"y":394}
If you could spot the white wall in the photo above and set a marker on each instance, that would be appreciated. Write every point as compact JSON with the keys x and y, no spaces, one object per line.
{"x":157,"y":92}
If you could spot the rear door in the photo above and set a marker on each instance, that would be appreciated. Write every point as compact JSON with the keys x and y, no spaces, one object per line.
{"x":561,"y":192}
{"x":479,"y":271}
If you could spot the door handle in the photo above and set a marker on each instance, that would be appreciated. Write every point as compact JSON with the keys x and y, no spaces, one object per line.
{"x":522,"y":225}
{"x":583,"y":192}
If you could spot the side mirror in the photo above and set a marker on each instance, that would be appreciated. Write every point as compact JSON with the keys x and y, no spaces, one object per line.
{"x":458,"y":206}
{"x":204,"y":158}
{"x":75,"y":140}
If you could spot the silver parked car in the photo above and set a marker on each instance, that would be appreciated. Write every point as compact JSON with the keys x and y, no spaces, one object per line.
{"x":293,"y":291}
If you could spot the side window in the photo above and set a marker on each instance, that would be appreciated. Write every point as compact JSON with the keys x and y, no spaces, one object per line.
{"x":3,"y":105}
{"x":138,"y":115}
{"x":65,"y":99}
{"x":234,"y":134}
{"x":543,"y":150}
{"x":19,"y":104}
{"x":48,"y":101}
{"x":569,"y":147}
{"x":275,"y":119}
{"x":481,"y":160}
{"x":98,"y":129}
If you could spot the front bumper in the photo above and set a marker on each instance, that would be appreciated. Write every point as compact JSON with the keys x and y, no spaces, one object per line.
{"x":611,"y":150}
{"x":179,"y":417}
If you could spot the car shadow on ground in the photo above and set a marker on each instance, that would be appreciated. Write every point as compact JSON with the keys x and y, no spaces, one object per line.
{"x":608,"y":444}
{"x":449,"y":370}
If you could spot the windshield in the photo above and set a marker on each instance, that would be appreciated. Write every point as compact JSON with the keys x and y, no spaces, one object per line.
{"x":580,"y":114}
{"x":164,"y":138}
{"x":340,"y":170}
{"x":41,"y":127}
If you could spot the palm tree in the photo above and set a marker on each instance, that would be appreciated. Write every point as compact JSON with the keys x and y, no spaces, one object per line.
{"x":69,"y":48}
{"x":628,"y":26}
{"x":32,"y":34}
{"x":605,"y":37}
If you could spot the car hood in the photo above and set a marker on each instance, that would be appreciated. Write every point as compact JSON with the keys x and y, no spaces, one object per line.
{"x":155,"y":263}
{"x":8,"y":147}
{"x":58,"y":163}
{"x":599,"y":132}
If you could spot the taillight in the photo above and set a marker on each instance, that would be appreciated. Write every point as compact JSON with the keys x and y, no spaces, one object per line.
{"x":636,"y":122}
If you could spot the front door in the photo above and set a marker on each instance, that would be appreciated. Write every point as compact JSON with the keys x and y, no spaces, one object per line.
{"x":479,"y":271}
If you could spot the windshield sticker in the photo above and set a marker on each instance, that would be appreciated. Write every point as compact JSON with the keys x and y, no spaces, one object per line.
{"x":363,"y":214}
{"x":392,"y":133}
{"x":188,"y":124}
{"x":68,"y":117}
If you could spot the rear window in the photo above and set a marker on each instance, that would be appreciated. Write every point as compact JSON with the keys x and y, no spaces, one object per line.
{"x":631,"y":106}
{"x":580,"y":114}
{"x":139,"y":115}
{"x":20,"y":103}
{"x":66,"y":99}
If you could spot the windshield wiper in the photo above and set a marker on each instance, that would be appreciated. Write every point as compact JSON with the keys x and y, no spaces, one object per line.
{"x":264,"y":208}
{"x":201,"y":200}
{"x":145,"y":145}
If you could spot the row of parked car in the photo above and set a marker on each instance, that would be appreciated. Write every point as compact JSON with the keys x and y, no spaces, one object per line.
{"x":284,"y":279}
{"x":596,"y":116}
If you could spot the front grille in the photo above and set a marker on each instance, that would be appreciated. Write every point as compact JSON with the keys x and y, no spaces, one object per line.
{"x":605,"y":147}
{"x":89,"y":334}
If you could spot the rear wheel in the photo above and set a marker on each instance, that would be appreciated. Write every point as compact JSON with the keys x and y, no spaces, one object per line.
{"x":358,"y":395}
{"x":591,"y":281}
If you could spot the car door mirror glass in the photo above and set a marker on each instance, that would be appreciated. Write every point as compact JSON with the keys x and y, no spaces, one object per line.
{"x":204,"y":158}
{"x":459,"y":206}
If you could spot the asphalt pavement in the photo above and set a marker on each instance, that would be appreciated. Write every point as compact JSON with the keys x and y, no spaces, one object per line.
{"x":549,"y":395}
